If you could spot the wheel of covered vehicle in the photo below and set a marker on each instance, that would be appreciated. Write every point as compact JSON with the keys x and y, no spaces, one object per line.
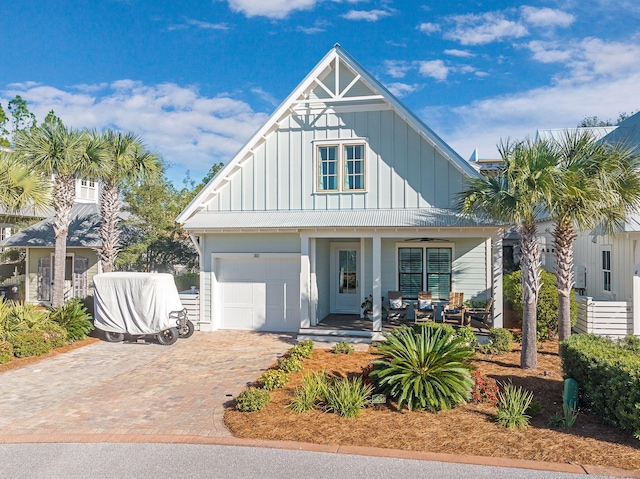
{"x":113,"y":337}
{"x":187,"y":330}
{"x":168,"y":336}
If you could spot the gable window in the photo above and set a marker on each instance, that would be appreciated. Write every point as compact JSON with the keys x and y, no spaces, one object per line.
{"x":424,"y":269}
{"x":606,"y":270}
{"x":340,"y":167}
{"x":354,"y":167}
{"x":327,"y":168}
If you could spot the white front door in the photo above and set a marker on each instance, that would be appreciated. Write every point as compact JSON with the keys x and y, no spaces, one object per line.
{"x":345,"y":277}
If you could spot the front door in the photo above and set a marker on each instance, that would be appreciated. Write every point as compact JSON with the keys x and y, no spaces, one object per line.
{"x":345,"y":277}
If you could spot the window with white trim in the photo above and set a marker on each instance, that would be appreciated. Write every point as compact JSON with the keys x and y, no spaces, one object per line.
{"x":422,"y":268}
{"x":606,"y":270}
{"x":340,"y":167}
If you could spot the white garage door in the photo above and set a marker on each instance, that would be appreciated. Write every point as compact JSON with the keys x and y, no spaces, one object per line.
{"x":259,"y":294}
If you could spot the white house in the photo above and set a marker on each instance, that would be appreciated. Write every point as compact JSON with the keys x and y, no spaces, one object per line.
{"x":341,"y":194}
{"x":607,"y":267}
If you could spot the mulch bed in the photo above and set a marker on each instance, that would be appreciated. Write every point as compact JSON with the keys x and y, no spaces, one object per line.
{"x":467,"y":429}
{"x":19,"y":362}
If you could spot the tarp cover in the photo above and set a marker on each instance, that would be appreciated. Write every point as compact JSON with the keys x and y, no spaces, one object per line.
{"x":135,"y":303}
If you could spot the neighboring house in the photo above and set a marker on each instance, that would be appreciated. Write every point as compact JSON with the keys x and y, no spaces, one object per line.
{"x":341,"y":194}
{"x":82,"y":243}
{"x":606,"y":266}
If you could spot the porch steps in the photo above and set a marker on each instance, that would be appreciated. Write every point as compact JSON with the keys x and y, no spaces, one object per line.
{"x":338,"y":335}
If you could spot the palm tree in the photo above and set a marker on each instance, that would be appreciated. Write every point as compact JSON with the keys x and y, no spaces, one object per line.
{"x":65,"y":154}
{"x":127,"y":160}
{"x":597,"y":184}
{"x":513,"y":197}
{"x":20,"y":187}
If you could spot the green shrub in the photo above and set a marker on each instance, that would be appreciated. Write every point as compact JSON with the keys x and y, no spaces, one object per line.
{"x":273,"y":379}
{"x":447,"y":328}
{"x":312,"y":392}
{"x":74,"y":318}
{"x":252,"y":399}
{"x":19,"y":318}
{"x":608,"y":377}
{"x":185,"y":281}
{"x":501,"y":340}
{"x":535,"y":409}
{"x":6,"y":352}
{"x":467,"y":335}
{"x":29,"y":343}
{"x":304,"y":349}
{"x":423,"y":368}
{"x":55,"y":336}
{"x":512,"y":407}
{"x":631,"y":343}
{"x":547,"y":320}
{"x":290,"y":364}
{"x":347,"y":396}
{"x":342,"y":348}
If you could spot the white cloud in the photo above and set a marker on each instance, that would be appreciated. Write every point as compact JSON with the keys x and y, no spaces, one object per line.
{"x":397,"y":68}
{"x":402,"y":89}
{"x":368,"y":15}
{"x":546,"y":17}
{"x":547,"y":52}
{"x":310,"y":30}
{"x":459,"y":53}
{"x":600,"y":79}
{"x":190,"y":22}
{"x":472,"y":29}
{"x":435,"y":69}
{"x":189,"y":130}
{"x":270,"y":8}
{"x":590,"y":59}
{"x":429,"y":28}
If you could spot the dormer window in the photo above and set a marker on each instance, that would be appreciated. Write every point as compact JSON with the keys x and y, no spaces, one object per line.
{"x":340,"y":167}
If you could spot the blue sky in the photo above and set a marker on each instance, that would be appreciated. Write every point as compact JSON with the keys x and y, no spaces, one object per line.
{"x":196,"y":78}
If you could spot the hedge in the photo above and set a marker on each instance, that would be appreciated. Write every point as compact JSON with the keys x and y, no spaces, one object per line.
{"x":608,"y":376}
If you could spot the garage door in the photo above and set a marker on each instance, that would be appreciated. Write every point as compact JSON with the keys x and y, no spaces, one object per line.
{"x":259,"y":294}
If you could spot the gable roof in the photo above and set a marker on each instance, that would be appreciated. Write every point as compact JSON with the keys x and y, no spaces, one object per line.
{"x":350,"y":84}
{"x":628,"y":132}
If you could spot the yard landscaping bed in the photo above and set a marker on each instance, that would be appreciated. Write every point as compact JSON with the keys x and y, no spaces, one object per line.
{"x":20,"y":362}
{"x":467,"y":429}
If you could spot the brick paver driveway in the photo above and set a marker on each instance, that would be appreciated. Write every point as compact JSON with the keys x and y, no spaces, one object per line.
{"x":134,"y":388}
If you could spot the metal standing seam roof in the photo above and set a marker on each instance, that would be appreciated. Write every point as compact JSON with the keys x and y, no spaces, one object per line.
{"x":83,"y":230}
{"x":379,"y":218}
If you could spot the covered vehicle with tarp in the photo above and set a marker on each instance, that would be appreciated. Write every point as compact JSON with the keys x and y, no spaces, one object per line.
{"x":139,"y":304}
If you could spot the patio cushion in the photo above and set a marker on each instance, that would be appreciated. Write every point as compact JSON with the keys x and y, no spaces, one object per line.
{"x":455,"y":310}
{"x":395,"y":303}
{"x":425,"y":304}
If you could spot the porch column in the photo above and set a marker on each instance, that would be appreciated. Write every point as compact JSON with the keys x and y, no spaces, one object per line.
{"x":635,"y":300}
{"x":304,"y":281}
{"x":496,"y":273}
{"x":363,"y":292}
{"x":376,"y":252}
{"x":313,"y":287}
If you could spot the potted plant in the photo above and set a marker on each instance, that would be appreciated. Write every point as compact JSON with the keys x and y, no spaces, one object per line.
{"x":367,"y":307}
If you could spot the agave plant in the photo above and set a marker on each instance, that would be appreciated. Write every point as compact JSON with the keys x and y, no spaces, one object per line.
{"x":424,"y":369}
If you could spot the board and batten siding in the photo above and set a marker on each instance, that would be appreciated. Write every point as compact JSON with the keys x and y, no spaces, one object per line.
{"x":624,"y":255}
{"x":403,"y":170}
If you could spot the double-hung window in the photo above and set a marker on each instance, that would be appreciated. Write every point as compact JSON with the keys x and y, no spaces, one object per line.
{"x":424,"y":269}
{"x":606,"y":270}
{"x":340,"y":167}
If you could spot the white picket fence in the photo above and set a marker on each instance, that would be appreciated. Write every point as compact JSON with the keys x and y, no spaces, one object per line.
{"x":605,"y":318}
{"x":191,"y":302}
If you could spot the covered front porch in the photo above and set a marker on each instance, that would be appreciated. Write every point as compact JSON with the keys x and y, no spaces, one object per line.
{"x":353,"y":328}
{"x":339,"y":269}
